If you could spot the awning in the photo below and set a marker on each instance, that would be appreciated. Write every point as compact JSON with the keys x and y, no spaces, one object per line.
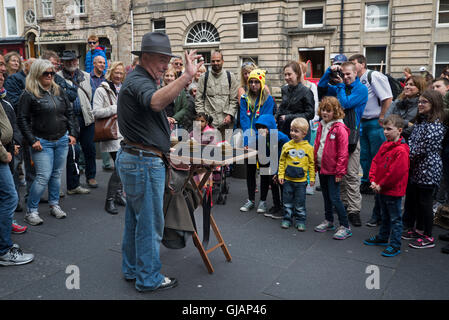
{"x":12,"y":40}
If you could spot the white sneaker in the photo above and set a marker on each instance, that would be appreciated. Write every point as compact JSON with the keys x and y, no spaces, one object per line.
{"x":262,"y":208}
{"x":247,"y":206}
{"x":33,"y":218}
{"x":15,"y":257}
{"x":310,"y":190}
{"x":57,"y":212}
{"x":78,"y":190}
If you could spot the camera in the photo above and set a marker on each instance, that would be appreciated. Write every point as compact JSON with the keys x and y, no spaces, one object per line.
{"x":334,"y":76}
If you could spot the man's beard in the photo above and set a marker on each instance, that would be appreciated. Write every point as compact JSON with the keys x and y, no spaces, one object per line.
{"x":71,"y":69}
{"x":217,"y":69}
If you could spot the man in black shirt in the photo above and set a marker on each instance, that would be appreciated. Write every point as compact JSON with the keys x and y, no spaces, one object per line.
{"x":143,"y":123}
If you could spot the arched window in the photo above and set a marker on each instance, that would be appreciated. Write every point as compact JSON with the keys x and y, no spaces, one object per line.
{"x":203,"y":33}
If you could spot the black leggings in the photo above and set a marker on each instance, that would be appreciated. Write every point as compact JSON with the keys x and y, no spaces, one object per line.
{"x":418,"y":208}
{"x":265,"y":182}
{"x":251,"y":172}
{"x":114,"y":184}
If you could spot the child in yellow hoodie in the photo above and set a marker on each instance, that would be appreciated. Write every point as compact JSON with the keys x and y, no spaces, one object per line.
{"x":295,"y":164}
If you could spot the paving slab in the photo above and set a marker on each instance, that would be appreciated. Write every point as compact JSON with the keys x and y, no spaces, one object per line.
{"x":268,"y":263}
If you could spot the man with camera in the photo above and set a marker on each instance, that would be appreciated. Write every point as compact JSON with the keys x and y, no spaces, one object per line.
{"x":342,"y":81}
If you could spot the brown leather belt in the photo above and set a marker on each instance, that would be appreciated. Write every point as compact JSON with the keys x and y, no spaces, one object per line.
{"x":132,"y":146}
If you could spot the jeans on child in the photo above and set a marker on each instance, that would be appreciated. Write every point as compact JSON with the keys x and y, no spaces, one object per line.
{"x":391,"y":227}
{"x":331,"y":195}
{"x":294,"y":197}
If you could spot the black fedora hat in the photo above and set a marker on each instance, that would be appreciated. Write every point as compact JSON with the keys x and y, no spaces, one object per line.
{"x":68,"y":55}
{"x":155,"y":42}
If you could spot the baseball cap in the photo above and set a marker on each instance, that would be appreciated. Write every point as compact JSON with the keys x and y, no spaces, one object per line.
{"x":340,"y":58}
{"x":422,"y":69}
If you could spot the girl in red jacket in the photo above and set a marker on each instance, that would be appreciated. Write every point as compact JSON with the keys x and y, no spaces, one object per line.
{"x":331,"y":161}
{"x":389,"y":178}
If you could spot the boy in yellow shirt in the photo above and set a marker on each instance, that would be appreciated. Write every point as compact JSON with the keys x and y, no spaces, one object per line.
{"x":295,"y":164}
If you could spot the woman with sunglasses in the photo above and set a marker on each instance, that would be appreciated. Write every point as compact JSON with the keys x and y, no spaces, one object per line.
{"x":46,"y":119}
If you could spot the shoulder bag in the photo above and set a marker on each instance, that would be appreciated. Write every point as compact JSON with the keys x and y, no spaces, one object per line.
{"x":107,"y":128}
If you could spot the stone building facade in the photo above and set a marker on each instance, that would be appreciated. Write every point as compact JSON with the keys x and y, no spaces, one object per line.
{"x":11,"y":27}
{"x":66,"y":25}
{"x":392,"y":34}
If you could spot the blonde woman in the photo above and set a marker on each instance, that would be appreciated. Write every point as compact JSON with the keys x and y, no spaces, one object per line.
{"x":46,"y":119}
{"x":104,"y":106}
{"x":13,"y":62}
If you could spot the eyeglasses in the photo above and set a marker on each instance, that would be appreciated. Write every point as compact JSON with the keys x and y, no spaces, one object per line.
{"x":423,"y":102}
{"x":92,"y":42}
{"x":46,"y":73}
{"x":178,"y":63}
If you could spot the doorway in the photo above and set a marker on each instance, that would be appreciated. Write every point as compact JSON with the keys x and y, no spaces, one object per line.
{"x":316,"y":56}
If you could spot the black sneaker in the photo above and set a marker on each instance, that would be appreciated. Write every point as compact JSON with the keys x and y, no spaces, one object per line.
{"x":373,"y":223}
{"x":410,"y":235}
{"x":375,"y":241}
{"x":354,"y":219}
{"x":168,"y":283}
{"x":273,"y":211}
{"x":391,"y":251}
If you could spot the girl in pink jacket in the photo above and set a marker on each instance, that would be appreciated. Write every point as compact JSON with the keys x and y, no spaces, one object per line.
{"x":331,"y":161}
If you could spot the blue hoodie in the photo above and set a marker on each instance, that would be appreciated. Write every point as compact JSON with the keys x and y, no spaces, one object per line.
{"x":356,"y":99}
{"x":268,"y":121}
{"x":90,"y":56}
{"x":249,"y":121}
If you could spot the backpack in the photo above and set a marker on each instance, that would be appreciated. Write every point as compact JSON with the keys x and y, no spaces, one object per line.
{"x":395,"y":85}
{"x":206,"y":77}
{"x":350,"y":120}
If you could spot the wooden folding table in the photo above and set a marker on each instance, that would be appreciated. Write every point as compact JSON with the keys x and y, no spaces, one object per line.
{"x":203,"y":159}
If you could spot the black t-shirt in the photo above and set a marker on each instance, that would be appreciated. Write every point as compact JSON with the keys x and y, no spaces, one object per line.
{"x":137,"y":122}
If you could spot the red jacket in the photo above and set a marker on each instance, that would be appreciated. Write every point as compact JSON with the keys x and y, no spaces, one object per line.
{"x":390,"y":167}
{"x":334,"y":160}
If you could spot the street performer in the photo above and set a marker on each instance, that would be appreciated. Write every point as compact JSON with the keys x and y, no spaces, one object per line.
{"x":146,"y":131}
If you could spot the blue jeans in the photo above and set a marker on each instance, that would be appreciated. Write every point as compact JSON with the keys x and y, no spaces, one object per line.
{"x":371,"y":138}
{"x":48,"y":164}
{"x":143,"y":180}
{"x":294,"y":196}
{"x":8,"y":203}
{"x":391,"y":227}
{"x":376,"y":215}
{"x":331,"y":195}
